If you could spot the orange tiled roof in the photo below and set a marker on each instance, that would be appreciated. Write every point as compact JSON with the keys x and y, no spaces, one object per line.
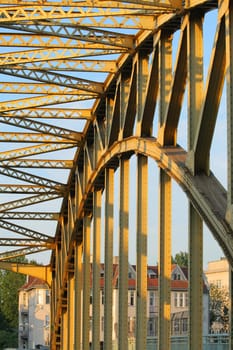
{"x":34,"y":282}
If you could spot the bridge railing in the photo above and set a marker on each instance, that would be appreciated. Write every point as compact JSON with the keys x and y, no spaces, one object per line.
{"x":210,"y":342}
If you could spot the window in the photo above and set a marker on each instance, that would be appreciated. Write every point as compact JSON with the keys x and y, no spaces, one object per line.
{"x":181,"y":300}
{"x":151,"y":327}
{"x":24,"y":299}
{"x":47,"y":296}
{"x":46,"y":321}
{"x":176,"y":276}
{"x":151,"y":274}
{"x":186,"y":299}
{"x":219,"y":283}
{"x":39,"y":296}
{"x":102,"y":297}
{"x":185,"y":325}
{"x":176,"y":326}
{"x":131,"y":298}
{"x":176,"y":300}
{"x":102,"y":324}
{"x":152,"y":298}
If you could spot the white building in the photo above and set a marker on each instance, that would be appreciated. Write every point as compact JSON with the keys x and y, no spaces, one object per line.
{"x":34,"y":315}
{"x":217,"y":273}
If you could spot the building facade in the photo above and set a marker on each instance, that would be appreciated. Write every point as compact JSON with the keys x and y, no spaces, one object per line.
{"x":34,"y":315}
{"x":34,"y":307}
{"x":217,"y":273}
{"x":179,"y":303}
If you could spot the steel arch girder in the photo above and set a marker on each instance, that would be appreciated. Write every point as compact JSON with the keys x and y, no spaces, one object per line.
{"x":205,"y":192}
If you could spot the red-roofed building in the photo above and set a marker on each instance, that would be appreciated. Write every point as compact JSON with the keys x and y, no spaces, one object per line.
{"x":179,"y":301}
{"x":34,"y":314}
{"x":34,"y":306}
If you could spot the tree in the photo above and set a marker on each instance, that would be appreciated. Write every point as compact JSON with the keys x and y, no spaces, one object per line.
{"x":181,"y":259}
{"x":10,"y":282}
{"x":8,"y":339}
{"x":219,"y":306}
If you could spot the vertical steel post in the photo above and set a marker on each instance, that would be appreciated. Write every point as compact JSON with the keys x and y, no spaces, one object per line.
{"x":78,"y":295}
{"x":96,"y":270}
{"x":141,"y":288}
{"x":195,"y":279}
{"x":64,"y":340}
{"x":124,"y":100}
{"x":70,"y":306}
{"x":229,"y":80}
{"x":195,"y":99}
{"x":164,"y":261}
{"x":230,"y":307}
{"x":195,"y":80}
{"x":52,"y":314}
{"x":195,"y":74}
{"x":108,"y":272}
{"x":142,"y":77}
{"x":123,"y":255}
{"x":86,"y":281}
{"x":165,"y":76}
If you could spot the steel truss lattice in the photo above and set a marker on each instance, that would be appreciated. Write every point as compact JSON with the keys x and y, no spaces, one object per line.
{"x":91,"y":90}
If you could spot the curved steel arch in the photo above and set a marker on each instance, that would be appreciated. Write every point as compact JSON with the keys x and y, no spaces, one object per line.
{"x":111,"y":65}
{"x":204,"y":191}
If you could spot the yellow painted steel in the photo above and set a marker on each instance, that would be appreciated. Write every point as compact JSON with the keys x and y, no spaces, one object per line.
{"x":195,"y":280}
{"x":230,"y":308}
{"x":106,"y":82}
{"x":42,"y":272}
{"x":70,"y":302}
{"x":123,"y":254}
{"x":96,"y":268}
{"x":50,"y":113}
{"x":229,"y":72}
{"x":78,"y":296}
{"x":64,"y":340}
{"x":86,"y":283}
{"x":141,"y":287}
{"x":164,"y":332}
{"x":108,"y":253}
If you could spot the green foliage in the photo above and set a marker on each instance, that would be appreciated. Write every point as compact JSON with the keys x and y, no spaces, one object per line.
{"x":8,"y":338}
{"x":181,"y":259}
{"x":10,"y":282}
{"x":219,"y":306}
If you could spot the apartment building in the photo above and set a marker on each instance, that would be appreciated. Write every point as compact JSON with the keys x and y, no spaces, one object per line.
{"x":34,"y":315}
{"x":217,"y":273}
{"x":179,"y":302}
{"x":34,"y":307}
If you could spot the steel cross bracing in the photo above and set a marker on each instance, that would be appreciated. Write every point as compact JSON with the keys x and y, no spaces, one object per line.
{"x":90,"y":91}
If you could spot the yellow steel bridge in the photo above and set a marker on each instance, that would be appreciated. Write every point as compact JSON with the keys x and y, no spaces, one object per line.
{"x":92,"y":93}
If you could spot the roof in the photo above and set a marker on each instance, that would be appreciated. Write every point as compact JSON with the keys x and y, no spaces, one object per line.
{"x":181,"y":284}
{"x":34,"y":283}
